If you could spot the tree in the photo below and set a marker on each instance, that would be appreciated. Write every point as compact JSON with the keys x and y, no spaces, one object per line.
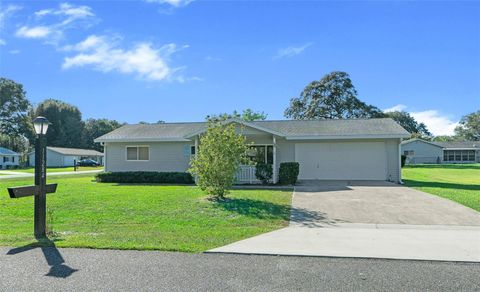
{"x":66,"y":123}
{"x":469,"y":127}
{"x":14,"y":107}
{"x":95,"y":128}
{"x":247,"y":115}
{"x":409,"y":123}
{"x":444,"y":138}
{"x":220,"y":153}
{"x":332,"y":97}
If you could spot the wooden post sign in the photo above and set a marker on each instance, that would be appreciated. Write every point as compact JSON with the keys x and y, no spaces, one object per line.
{"x":25,"y":191}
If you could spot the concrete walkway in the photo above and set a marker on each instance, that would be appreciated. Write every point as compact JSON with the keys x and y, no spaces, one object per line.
{"x":13,"y":174}
{"x":370,"y":220}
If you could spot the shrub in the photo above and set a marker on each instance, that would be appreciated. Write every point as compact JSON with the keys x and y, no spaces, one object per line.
{"x":219,"y":155}
{"x":264,"y":172}
{"x":145,"y":177}
{"x":288,"y":173}
{"x":404,"y":158}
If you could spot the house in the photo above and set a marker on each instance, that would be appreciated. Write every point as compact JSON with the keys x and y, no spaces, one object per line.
{"x":63,"y":157}
{"x":360,"y":149}
{"x":420,"y":151}
{"x":8,"y":158}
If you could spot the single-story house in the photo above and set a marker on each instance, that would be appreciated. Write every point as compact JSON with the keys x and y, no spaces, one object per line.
{"x":420,"y":151}
{"x":354,"y":149}
{"x":64,"y":157}
{"x":8,"y":158}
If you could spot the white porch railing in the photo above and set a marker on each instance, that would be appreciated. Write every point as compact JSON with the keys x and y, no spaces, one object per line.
{"x":246,"y":175}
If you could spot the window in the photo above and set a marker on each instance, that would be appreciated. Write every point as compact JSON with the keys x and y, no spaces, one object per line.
{"x":261,"y":154}
{"x":192,"y":150}
{"x":138,"y":153}
{"x":459,"y":155}
{"x":6,"y":159}
{"x":408,"y":152}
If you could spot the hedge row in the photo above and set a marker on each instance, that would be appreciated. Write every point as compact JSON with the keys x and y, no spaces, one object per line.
{"x":288,"y":173}
{"x":145,"y":177}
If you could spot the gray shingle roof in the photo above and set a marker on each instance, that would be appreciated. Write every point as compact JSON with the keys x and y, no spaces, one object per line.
{"x":288,"y":128}
{"x":75,"y":151}
{"x":459,"y":144}
{"x":5,"y":151}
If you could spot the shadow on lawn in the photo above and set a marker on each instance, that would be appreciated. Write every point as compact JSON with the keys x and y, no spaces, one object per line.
{"x":267,"y":210}
{"x":442,"y":185}
{"x":54,"y":258}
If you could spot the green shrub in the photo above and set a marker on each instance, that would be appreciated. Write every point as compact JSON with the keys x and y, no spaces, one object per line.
{"x":264,"y":172}
{"x":404,"y":158}
{"x":288,"y":173}
{"x":145,"y":177}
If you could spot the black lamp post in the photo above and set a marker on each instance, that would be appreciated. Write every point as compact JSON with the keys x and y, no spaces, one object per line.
{"x":40,"y":212}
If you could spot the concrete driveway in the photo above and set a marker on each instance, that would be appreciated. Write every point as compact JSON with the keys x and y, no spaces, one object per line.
{"x":370,"y":220}
{"x":320,"y":203}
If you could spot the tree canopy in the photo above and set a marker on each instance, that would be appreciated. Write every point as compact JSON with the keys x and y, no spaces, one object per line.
{"x":66,"y":123}
{"x":247,"y":115}
{"x":332,"y":97}
{"x":95,"y":128}
{"x":409,"y":123}
{"x":469,"y":127}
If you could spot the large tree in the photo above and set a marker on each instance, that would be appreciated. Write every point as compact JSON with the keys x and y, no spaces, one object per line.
{"x":15,"y":124}
{"x":469,"y":127}
{"x":66,"y":123}
{"x":409,"y":123}
{"x":332,"y":97}
{"x":247,"y":115}
{"x":95,"y":128}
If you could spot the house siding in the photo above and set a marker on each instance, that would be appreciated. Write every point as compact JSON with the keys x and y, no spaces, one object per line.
{"x":423,"y":152}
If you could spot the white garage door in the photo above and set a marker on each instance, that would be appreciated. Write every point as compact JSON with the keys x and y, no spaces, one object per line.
{"x":342,"y":160}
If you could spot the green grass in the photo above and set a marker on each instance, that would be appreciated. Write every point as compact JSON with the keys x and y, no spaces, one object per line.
{"x":55,"y":169}
{"x":118,"y":216}
{"x":457,"y":182}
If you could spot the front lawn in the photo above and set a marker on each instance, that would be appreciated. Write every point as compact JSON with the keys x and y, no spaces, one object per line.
{"x":108,"y":215}
{"x":457,"y":182}
{"x":55,"y":169}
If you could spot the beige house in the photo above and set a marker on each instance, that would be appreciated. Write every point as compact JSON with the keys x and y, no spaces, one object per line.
{"x":355,"y":149}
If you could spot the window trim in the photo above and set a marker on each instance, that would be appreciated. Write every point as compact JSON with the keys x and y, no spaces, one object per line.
{"x":266,"y":149}
{"x":138,"y":147}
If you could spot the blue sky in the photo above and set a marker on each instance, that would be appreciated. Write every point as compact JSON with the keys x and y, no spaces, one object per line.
{"x":177,"y":60}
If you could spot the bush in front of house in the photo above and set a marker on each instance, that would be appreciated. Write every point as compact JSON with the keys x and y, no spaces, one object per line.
{"x":288,"y":173}
{"x":145,"y":177}
{"x":264,"y":172}
{"x":404,"y":158}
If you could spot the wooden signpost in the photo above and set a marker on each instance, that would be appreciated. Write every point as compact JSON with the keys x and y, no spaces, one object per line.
{"x":40,"y":189}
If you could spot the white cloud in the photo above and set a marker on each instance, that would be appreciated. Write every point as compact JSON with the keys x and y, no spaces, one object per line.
{"x":50,"y":24}
{"x":4,"y":14}
{"x":143,"y":60}
{"x":396,"y":108}
{"x":14,"y":52}
{"x":291,"y":51}
{"x":212,"y":59}
{"x":35,"y":32}
{"x":2,"y":42}
{"x":436,"y":122}
{"x":174,"y":3}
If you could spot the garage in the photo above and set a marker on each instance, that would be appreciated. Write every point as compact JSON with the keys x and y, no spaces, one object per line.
{"x":342,"y":160}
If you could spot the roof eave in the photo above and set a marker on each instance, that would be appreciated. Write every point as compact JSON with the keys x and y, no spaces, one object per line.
{"x":104,"y":140}
{"x":343,"y":137}
{"x":242,"y":122}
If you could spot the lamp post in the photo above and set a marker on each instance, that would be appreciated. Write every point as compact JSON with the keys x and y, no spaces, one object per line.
{"x":40,"y":212}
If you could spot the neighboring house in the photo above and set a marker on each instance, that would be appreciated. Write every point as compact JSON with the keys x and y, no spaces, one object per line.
{"x":362,"y":149}
{"x":8,"y":158}
{"x":420,"y":151}
{"x":63,"y":157}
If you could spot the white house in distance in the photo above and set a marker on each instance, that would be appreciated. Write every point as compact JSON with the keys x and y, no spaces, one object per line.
{"x":8,"y":158}
{"x":64,"y":157}
{"x":420,"y":151}
{"x":354,"y":149}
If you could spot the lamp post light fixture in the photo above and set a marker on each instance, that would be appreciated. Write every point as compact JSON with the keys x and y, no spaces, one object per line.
{"x":40,"y":212}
